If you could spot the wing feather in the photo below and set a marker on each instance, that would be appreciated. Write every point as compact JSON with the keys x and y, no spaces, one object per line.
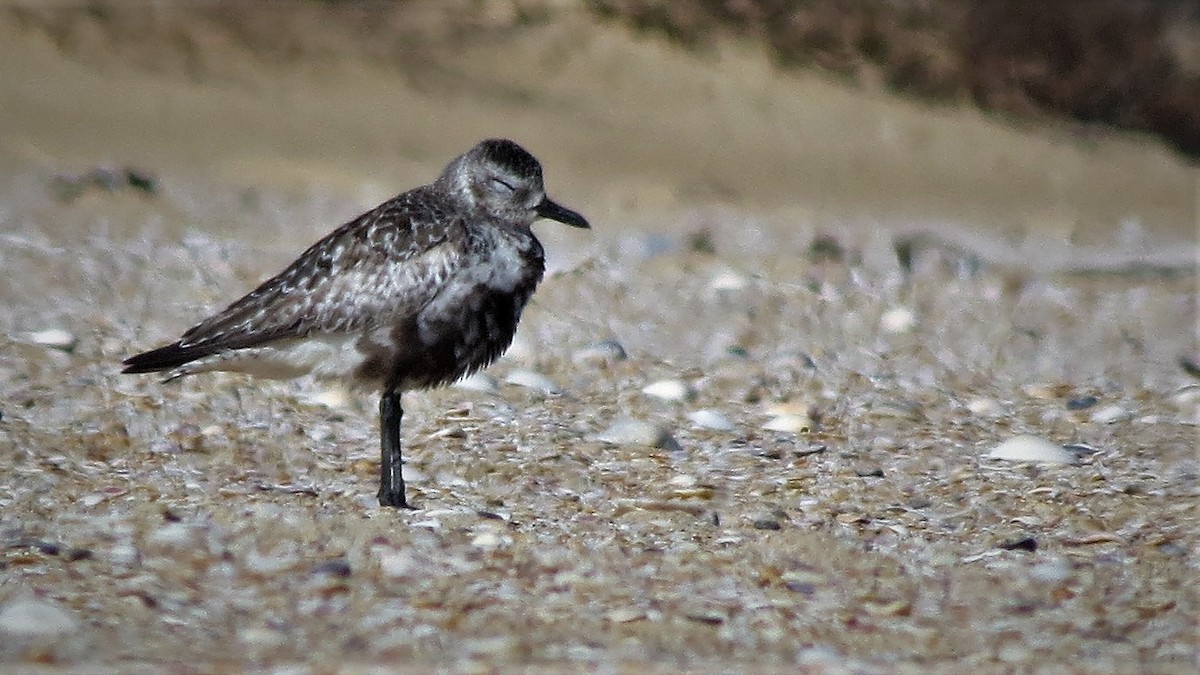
{"x":388,"y":263}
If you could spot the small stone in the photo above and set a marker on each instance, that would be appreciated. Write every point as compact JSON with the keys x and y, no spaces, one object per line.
{"x":984,"y":407}
{"x":532,"y":380}
{"x":628,"y":431}
{"x":1027,"y":544}
{"x":397,"y":563}
{"x":1110,"y":414}
{"x":55,"y":338}
{"x":30,"y":619}
{"x":1043,"y":391}
{"x":710,"y":419}
{"x":76,"y":554}
{"x":1081,"y":402}
{"x":173,"y":536}
{"x":269,"y":564}
{"x":330,"y":397}
{"x":1190,"y":364}
{"x":825,"y":248}
{"x":1081,"y":449}
{"x":708,"y":617}
{"x":767,"y":524}
{"x":900,"y":410}
{"x":490,"y":646}
{"x":669,"y":390}
{"x":1027,"y":448}
{"x":1014,"y":653}
{"x":487,"y":540}
{"x":790,"y":423}
{"x":727,"y":281}
{"x":897,"y":320}
{"x":608,"y":351}
{"x":334,"y":568}
{"x":683,"y":481}
{"x":1055,"y":570}
{"x":625,"y":615}
{"x":261,"y":637}
{"x":478,"y":381}
{"x":124,"y":554}
{"x":811,"y":450}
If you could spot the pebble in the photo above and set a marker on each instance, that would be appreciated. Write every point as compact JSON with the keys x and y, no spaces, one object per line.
{"x":710,"y":419}
{"x":683,"y":481}
{"x":268,"y":564}
{"x":487,"y":540}
{"x":261,"y":637}
{"x":1054,"y":570}
{"x":669,"y":390}
{"x":1027,"y":448}
{"x":31,"y":619}
{"x":337,"y":568}
{"x":1027,"y":544}
{"x":532,"y":380}
{"x":898,"y":320}
{"x":55,"y":338}
{"x":727,"y":281}
{"x":397,"y":563}
{"x":628,"y":431}
{"x":984,"y":407}
{"x":1190,"y":364}
{"x":1043,"y":391}
{"x":478,"y":381}
{"x":1110,"y":414}
{"x":330,"y":397}
{"x":1081,"y":402}
{"x":608,"y":351}
{"x":790,"y":423}
{"x":177,"y":536}
{"x":1186,"y":400}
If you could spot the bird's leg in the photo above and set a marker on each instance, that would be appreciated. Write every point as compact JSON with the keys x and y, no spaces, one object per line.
{"x":391,"y":483}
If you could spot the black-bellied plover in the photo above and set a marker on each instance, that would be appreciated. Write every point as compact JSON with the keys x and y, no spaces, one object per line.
{"x":417,"y":292}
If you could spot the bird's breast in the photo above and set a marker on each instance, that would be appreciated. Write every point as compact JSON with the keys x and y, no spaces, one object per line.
{"x":467,"y":324}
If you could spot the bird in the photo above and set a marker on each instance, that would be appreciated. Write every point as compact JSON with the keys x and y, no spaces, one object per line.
{"x":422,"y":290}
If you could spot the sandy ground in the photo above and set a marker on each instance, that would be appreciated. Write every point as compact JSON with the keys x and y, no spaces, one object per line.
{"x":809,"y":489}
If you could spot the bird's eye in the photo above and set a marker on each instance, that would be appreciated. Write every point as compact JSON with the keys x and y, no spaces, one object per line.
{"x":502,"y":187}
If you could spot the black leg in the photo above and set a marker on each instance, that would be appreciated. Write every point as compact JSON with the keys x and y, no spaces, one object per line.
{"x":391,"y":483}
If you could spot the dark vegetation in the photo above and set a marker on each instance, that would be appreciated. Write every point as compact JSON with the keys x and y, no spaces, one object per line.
{"x":1128,"y":64}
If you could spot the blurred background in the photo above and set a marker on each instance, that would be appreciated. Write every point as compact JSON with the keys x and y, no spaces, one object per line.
{"x":1077,"y":123}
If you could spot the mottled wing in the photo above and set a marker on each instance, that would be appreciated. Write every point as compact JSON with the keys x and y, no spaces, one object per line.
{"x":389,"y":262}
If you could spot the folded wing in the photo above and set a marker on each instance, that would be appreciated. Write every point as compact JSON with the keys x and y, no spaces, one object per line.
{"x":376,"y":268}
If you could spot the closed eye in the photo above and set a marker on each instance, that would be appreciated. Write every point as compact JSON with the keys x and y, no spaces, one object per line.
{"x":502,"y":187}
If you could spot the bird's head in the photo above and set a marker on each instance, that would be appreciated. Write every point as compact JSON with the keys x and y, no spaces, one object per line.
{"x":502,"y":180}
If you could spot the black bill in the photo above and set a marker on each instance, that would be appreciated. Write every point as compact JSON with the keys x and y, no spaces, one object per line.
{"x":555,"y":211}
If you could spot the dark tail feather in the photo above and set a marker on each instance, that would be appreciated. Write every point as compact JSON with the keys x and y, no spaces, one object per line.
{"x":164,"y":358}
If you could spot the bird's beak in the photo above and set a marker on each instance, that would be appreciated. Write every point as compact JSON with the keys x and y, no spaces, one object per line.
{"x":555,"y":211}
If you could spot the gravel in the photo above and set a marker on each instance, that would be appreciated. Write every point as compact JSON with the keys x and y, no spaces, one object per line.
{"x":833,"y":508}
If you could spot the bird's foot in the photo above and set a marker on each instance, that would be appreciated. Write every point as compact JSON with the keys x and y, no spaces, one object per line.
{"x":394,"y":500}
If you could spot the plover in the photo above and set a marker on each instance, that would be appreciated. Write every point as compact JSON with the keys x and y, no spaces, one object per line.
{"x":421,"y":290}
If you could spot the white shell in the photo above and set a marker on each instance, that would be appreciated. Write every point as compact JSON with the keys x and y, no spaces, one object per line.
{"x":1027,"y":448}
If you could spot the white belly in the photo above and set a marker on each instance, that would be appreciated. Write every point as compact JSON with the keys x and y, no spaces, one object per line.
{"x":331,"y":356}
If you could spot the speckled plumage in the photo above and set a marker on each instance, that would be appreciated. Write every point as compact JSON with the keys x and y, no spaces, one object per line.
{"x":415,"y":293}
